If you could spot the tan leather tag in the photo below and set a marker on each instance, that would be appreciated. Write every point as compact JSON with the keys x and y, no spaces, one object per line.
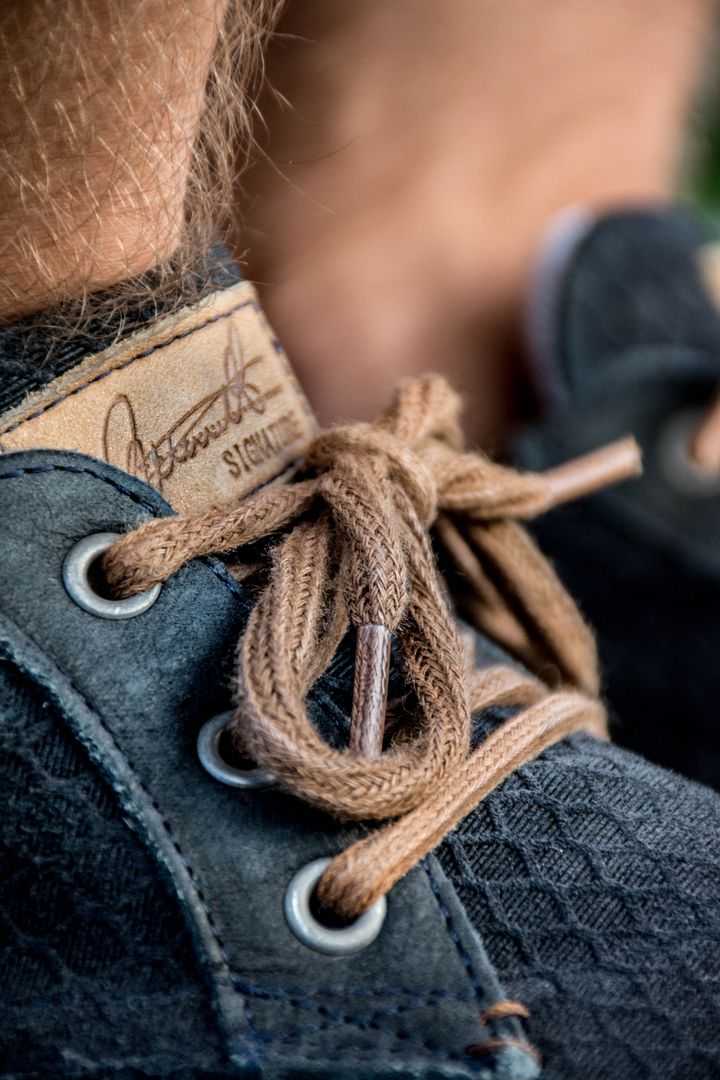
{"x":202,"y":405}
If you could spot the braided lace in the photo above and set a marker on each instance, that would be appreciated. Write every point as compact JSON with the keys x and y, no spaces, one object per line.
{"x":354,"y":550}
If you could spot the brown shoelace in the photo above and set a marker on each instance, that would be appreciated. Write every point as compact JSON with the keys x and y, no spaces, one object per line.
{"x":354,"y":550}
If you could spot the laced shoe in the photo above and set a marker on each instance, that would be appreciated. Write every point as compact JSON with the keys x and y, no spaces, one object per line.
{"x":278,"y":813}
{"x":625,"y":328}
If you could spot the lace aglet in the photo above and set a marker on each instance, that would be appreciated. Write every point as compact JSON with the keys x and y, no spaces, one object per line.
{"x":370,"y":689}
{"x":584,"y":475}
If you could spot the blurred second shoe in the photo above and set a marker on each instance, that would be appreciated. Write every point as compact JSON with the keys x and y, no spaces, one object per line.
{"x":625,"y":338}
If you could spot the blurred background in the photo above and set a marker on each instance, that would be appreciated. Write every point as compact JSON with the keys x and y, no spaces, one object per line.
{"x":701,"y":182}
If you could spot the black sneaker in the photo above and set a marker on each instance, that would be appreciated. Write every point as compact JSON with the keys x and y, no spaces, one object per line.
{"x":625,"y":336}
{"x":156,"y":891}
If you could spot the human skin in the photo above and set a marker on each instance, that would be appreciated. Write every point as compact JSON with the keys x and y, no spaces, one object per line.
{"x":411,"y":154}
{"x":100,"y":102}
{"x":392,"y":215}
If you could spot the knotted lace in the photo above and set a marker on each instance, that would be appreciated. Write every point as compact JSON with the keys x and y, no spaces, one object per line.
{"x":354,"y":550}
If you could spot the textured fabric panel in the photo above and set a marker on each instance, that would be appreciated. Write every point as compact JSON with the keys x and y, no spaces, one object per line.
{"x":633,"y":284}
{"x":656,"y":616}
{"x":96,"y":967}
{"x":594,"y":880}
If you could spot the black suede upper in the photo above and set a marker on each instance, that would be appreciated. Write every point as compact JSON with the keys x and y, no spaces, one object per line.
{"x":141,"y":901}
{"x":91,"y":938}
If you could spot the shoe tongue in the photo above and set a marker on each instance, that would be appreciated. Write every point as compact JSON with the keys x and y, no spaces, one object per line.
{"x":202,"y":403}
{"x":626,"y":298}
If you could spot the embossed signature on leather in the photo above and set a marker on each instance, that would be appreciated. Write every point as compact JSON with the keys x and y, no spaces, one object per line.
{"x":203,"y":405}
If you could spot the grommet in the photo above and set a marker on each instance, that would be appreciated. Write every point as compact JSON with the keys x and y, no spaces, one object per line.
{"x":340,"y":941}
{"x":76,"y":578}
{"x":211,"y":759}
{"x":677,"y":466}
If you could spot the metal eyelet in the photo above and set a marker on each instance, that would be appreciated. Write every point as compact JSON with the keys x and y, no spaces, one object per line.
{"x":341,"y":941}
{"x":678,"y":468}
{"x":76,"y":578}
{"x":211,"y":759}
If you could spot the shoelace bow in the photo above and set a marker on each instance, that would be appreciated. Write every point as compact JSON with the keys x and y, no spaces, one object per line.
{"x":359,"y":554}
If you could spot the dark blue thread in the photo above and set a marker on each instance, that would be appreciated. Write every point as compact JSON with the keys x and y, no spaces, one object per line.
{"x":29,"y":470}
{"x":454,"y":936}
{"x":465,"y":958}
{"x":286,"y":994}
{"x":335,"y":1018}
{"x":131,"y":360}
{"x":295,"y":1001}
{"x":195,"y":881}
{"x":364,"y":1023}
{"x":368,"y":1022}
{"x":457,"y":941}
{"x":404,"y":1038}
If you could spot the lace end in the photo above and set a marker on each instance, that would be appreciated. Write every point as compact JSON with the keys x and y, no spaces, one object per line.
{"x":370,"y":689}
{"x":591,"y":472}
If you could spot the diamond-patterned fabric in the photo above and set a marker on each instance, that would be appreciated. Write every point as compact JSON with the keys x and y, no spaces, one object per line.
{"x":96,"y":965}
{"x":593,"y":879}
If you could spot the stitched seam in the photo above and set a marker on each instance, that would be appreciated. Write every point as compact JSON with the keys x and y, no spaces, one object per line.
{"x":212,"y":564}
{"x":64,"y":1001}
{"x":366,"y":1023}
{"x":334,"y":1019}
{"x":284,"y":994}
{"x":480,"y":991}
{"x":121,"y":365}
{"x":465,"y":960}
{"x":194,"y":880}
{"x":344,"y":1017}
